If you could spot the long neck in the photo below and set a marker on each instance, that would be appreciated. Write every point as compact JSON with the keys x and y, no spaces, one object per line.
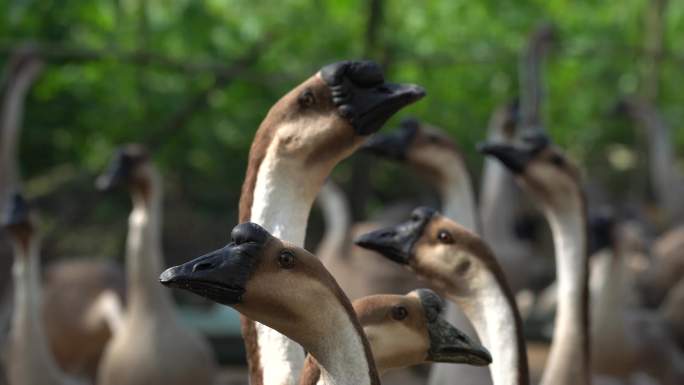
{"x":29,"y":344}
{"x":344,"y":356}
{"x":499,"y":199}
{"x":493,"y":314}
{"x":143,"y":251}
{"x":607,"y":299}
{"x":10,"y":125}
{"x":336,"y":215}
{"x":661,"y":160}
{"x":282,"y":201}
{"x":458,"y":200}
{"x":568,"y":361}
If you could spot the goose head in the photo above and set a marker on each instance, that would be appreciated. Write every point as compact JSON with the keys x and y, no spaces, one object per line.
{"x":18,"y":221}
{"x":542,"y":168}
{"x":427,"y":148}
{"x":129,"y":167}
{"x":406,"y":330}
{"x":436,"y":247}
{"x":330,"y":113}
{"x":270,"y":281}
{"x":324,"y":119}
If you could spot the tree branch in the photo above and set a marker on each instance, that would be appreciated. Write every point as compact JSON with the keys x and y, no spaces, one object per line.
{"x":199,"y":101}
{"x":57,"y":52}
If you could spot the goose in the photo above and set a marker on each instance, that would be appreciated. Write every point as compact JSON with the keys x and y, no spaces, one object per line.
{"x":547,"y":176}
{"x":303,"y":136}
{"x":407,"y":330}
{"x":152,"y":346}
{"x":672,"y":311}
{"x":627,"y":341}
{"x":666,"y":182}
{"x":459,"y":264}
{"x":29,"y":360}
{"x":431,"y":152}
{"x":665,"y":268}
{"x":500,"y":205}
{"x":337,"y":220}
{"x":81,"y":300}
{"x":288,"y":289}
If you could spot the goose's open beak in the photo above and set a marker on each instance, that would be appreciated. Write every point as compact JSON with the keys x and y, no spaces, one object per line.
{"x":448,"y":344}
{"x":221,"y":275}
{"x":394,"y":145}
{"x":363,"y":97}
{"x":396,"y":242}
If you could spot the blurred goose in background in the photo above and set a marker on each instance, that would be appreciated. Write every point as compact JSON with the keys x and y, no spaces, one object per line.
{"x":502,"y":206}
{"x":627,"y":340}
{"x":29,"y":359}
{"x":152,"y":347}
{"x":554,"y":184}
{"x":81,"y":300}
{"x":407,"y":330}
{"x":304,"y":135}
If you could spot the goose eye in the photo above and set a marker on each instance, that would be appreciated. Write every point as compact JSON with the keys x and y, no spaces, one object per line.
{"x":399,"y":313}
{"x":306,"y":99}
{"x":415,"y":217}
{"x":445,"y":237}
{"x":286,"y":259}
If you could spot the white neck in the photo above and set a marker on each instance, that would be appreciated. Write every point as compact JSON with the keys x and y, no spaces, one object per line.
{"x":494,"y":319}
{"x":336,"y":215}
{"x":281,"y":204}
{"x":144,"y":254}
{"x":458,"y":204}
{"x":608,"y":293}
{"x":29,"y":345}
{"x":341,"y":354}
{"x":567,"y":363}
{"x":498,"y":200}
{"x":458,"y":200}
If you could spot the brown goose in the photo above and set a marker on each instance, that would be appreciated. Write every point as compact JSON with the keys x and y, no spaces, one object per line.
{"x":151,"y":347}
{"x":553,"y":182}
{"x":285,"y":287}
{"x":458,"y":263}
{"x":29,"y":359}
{"x":303,"y":136}
{"x":407,"y":330}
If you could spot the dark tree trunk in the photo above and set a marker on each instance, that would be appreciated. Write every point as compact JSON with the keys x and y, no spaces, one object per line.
{"x":361,"y":164}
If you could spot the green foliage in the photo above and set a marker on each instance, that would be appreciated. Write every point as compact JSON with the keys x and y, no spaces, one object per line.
{"x":465,"y":53}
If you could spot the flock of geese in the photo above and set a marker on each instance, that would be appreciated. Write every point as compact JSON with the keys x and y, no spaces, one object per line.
{"x":299,"y":324}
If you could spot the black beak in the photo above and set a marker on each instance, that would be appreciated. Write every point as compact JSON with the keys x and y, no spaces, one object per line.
{"x":221,"y":275}
{"x":18,"y":212}
{"x":517,"y":157}
{"x":363,"y":97}
{"x":396,"y":243}
{"x":513,"y":158}
{"x":394,"y":145}
{"x":448,"y":344}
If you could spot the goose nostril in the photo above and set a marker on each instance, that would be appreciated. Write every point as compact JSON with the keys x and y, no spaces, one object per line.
{"x":202,"y":266}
